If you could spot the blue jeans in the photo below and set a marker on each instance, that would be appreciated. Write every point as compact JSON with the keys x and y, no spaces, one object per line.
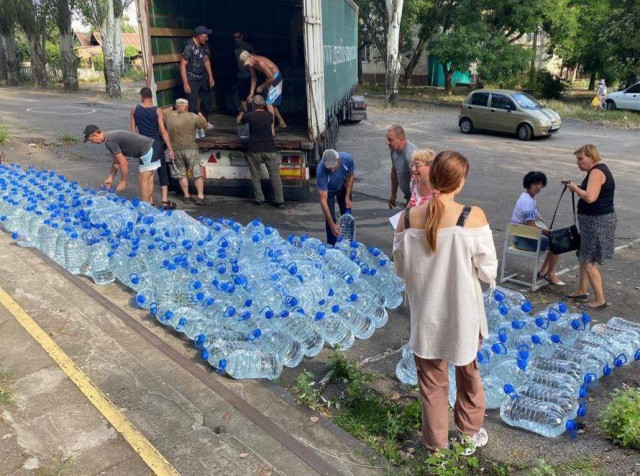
{"x":529,"y":244}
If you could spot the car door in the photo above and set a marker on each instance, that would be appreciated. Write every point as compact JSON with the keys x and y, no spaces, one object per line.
{"x":478,"y":109}
{"x":632,"y":98}
{"x":501,"y":113}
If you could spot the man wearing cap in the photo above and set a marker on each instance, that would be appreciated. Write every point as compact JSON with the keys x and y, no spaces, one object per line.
{"x":123,"y":144}
{"x":334,"y":179}
{"x":401,"y":158}
{"x":196,"y":73}
{"x":273,"y":82}
{"x":261,"y":149}
{"x":181,"y":125}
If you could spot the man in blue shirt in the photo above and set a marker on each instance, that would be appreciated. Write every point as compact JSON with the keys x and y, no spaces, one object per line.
{"x":334,"y":179}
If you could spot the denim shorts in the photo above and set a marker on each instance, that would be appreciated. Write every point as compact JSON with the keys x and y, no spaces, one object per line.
{"x":529,"y":244}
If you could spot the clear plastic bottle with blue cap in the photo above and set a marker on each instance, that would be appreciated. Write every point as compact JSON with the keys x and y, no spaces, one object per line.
{"x":544,"y":418}
{"x":624,"y":324}
{"x":75,"y":253}
{"x":297,"y":326}
{"x":99,"y":262}
{"x":556,"y":365}
{"x":145,"y":298}
{"x":332,"y":329}
{"x":566,"y":400}
{"x":360,"y":324}
{"x":590,"y":362}
{"x":250,"y":363}
{"x":347,"y":225}
{"x":215,"y":337}
{"x":280,"y":344}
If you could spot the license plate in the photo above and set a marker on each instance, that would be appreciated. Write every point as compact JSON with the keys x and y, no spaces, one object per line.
{"x":554,"y":128}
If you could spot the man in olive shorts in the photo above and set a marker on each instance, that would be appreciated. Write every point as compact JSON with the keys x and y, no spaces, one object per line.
{"x":181,"y":125}
{"x":123,"y":144}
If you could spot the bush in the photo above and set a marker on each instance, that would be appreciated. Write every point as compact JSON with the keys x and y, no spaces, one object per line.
{"x":134,"y":74}
{"x":546,"y":85}
{"x":98,"y":62}
{"x":52,"y":53}
{"x":130,"y":51}
{"x":621,"y":419}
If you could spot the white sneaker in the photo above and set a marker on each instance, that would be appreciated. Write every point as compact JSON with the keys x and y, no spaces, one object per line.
{"x":474,"y":442}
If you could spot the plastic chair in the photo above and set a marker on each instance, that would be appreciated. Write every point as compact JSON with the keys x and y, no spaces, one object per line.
{"x":522,"y":231}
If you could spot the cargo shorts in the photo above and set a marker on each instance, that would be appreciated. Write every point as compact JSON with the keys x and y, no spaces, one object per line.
{"x":185,"y":161}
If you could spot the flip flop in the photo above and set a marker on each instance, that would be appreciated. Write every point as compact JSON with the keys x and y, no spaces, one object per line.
{"x":168,"y":205}
{"x":588,"y":307}
{"x":576,"y":297}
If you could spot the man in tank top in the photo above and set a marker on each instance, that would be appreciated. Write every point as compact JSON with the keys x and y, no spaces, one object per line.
{"x":148,"y":120}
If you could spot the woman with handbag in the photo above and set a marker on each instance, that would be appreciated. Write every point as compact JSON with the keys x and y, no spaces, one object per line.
{"x":597,"y":221}
{"x":442,"y":249}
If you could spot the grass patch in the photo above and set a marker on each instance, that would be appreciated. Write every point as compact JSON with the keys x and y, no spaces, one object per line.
{"x":620,"y":420}
{"x":585,"y":112}
{"x":388,"y":427}
{"x":5,"y":381}
{"x":3,"y":133}
{"x":68,"y":139}
{"x":133,"y":75}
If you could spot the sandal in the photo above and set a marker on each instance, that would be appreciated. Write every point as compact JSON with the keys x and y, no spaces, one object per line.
{"x":576,"y":297}
{"x":168,"y":205}
{"x":588,"y":307}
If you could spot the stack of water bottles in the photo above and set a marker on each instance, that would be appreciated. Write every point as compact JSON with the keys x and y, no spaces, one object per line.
{"x":545,"y":363}
{"x":251,"y":300}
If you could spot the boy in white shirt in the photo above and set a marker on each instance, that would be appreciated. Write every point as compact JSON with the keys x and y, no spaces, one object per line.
{"x":526,"y":213}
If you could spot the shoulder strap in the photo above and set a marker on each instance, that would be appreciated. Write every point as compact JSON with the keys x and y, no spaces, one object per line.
{"x":407,"y":225}
{"x":573,"y":207}
{"x":464,"y":214}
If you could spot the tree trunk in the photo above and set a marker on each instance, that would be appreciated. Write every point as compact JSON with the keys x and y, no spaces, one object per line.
{"x":112,"y":64}
{"x":575,"y":72}
{"x":415,"y":58}
{"x":13,"y":65}
{"x":394,"y":59}
{"x":448,"y":76}
{"x":3,"y":60}
{"x":532,"y":69}
{"x":38,"y":60}
{"x":68,"y":59}
{"x":592,"y":81}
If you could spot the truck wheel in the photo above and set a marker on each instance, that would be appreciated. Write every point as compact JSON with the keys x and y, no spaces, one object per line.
{"x":466,"y":126}
{"x":525,"y":132}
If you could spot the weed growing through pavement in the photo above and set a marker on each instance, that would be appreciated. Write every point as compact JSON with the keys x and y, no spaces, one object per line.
{"x":5,"y":380}
{"x":3,"y":133}
{"x":620,"y":420}
{"x":68,"y":139}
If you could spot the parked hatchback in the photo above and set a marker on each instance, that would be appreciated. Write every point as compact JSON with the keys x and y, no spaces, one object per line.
{"x":506,"y":110}
{"x":626,"y":99}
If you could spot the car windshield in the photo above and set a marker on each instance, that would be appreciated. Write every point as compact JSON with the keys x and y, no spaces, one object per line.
{"x":525,"y":101}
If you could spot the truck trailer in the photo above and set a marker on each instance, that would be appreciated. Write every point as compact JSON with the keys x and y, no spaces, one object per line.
{"x":313,"y":42}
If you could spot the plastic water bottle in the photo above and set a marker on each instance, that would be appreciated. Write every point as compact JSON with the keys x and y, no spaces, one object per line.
{"x":556,"y":310}
{"x":564,"y":399}
{"x":75,"y":254}
{"x":619,"y":334}
{"x":361,"y":325}
{"x":99,"y":262}
{"x":590,"y":363}
{"x":624,"y":324}
{"x":557,"y":380}
{"x":301,"y":331}
{"x":406,"y":368}
{"x":251,"y":364}
{"x":347,"y":225}
{"x":544,"y":418}
{"x":555,"y":365}
{"x":282,"y":345}
{"x":333,"y":329}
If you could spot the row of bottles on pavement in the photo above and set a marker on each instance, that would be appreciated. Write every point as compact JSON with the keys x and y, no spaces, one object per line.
{"x":537,"y":369}
{"x":251,"y":300}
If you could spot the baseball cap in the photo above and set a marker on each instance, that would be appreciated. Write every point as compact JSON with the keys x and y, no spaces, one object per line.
{"x":330,"y":158}
{"x":88,"y":130}
{"x":244,"y":56}
{"x":257,"y":100}
{"x":182,"y":102}
{"x":203,"y":30}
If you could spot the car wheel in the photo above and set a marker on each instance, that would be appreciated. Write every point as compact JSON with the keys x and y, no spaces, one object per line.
{"x":611,"y":105}
{"x":525,"y":132}
{"x":466,"y":126}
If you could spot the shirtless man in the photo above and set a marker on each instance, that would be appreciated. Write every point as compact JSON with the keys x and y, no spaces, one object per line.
{"x":273,"y":82}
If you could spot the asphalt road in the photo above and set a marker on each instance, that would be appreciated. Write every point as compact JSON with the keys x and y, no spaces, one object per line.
{"x":498,"y":164}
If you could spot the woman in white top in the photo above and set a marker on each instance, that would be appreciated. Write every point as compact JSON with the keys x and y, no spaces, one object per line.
{"x":526,"y":213}
{"x":442,"y":249}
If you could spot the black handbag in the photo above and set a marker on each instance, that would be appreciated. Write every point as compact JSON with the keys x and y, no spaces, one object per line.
{"x":565,"y":239}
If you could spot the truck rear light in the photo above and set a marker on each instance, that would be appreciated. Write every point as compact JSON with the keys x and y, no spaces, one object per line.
{"x":291,"y":159}
{"x":212,"y":159}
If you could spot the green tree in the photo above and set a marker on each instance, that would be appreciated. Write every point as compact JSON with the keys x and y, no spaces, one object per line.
{"x":621,"y":40}
{"x":502,"y":62}
{"x":9,"y":62}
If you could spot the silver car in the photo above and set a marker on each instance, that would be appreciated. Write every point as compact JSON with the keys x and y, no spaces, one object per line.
{"x":505,"y":110}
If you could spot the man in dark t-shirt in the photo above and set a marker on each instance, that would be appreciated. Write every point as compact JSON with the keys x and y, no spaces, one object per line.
{"x":196,"y":73}
{"x":262,"y":149}
{"x":123,"y":144}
